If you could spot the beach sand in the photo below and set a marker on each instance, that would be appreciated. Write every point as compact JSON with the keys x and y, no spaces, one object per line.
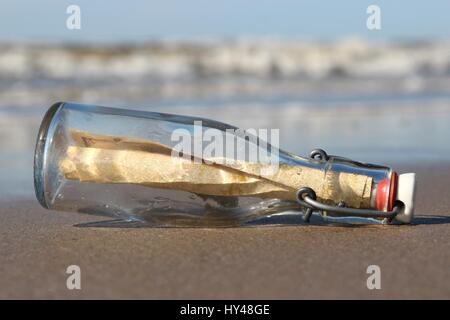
{"x":294,"y":261}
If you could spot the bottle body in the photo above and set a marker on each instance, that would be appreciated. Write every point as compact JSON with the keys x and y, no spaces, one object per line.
{"x":121,"y":163}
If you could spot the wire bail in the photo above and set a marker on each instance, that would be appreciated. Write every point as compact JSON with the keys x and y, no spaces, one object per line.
{"x":307,"y":198}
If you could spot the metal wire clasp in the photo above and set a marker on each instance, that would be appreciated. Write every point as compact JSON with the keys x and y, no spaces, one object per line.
{"x":306,"y":197}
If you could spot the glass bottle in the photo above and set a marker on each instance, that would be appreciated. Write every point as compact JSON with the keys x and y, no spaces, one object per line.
{"x":161,"y":169}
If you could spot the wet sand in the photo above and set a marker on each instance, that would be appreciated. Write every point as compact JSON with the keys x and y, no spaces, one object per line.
{"x":293,"y":261}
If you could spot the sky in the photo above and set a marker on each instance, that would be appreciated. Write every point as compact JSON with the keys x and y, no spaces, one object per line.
{"x":140,"y":20}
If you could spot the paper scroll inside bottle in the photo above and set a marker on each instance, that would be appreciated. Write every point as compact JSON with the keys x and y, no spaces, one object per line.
{"x":110,"y":159}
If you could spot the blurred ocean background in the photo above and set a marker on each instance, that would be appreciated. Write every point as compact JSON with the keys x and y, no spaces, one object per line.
{"x":374,"y":96}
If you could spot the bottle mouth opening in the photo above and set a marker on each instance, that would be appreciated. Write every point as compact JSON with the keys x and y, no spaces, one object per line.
{"x":40,"y":154}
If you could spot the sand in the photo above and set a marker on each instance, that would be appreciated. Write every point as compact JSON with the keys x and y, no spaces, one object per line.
{"x":293,"y":261}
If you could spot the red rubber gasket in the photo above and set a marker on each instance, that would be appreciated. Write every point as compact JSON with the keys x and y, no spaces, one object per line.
{"x":392,"y":190}
{"x":386,"y":191}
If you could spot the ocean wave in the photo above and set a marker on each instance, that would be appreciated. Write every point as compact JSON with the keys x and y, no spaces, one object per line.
{"x":182,"y":72}
{"x":267,"y":59}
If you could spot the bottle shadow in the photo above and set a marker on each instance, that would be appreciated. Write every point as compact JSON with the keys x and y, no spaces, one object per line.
{"x":431,"y":220}
{"x":273,"y":221}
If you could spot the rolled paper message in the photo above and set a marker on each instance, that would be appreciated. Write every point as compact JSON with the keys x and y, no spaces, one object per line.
{"x":108,"y":159}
